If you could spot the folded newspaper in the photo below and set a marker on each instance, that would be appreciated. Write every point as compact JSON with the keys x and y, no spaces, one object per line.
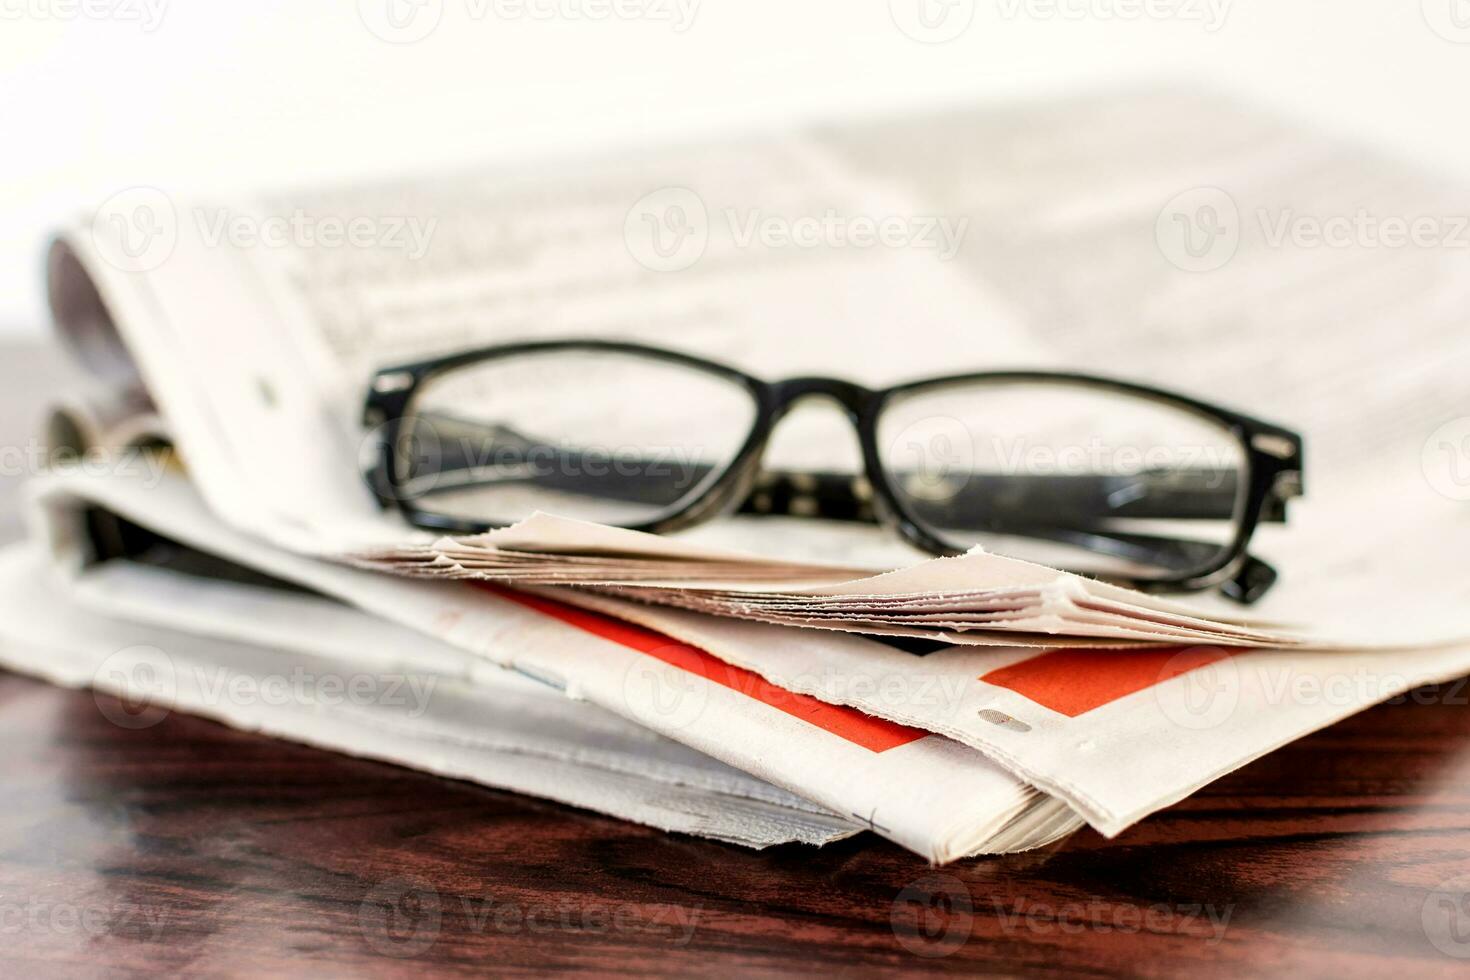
{"x":343,"y":680}
{"x":756,"y":727}
{"x":929,"y":793}
{"x":979,"y":599}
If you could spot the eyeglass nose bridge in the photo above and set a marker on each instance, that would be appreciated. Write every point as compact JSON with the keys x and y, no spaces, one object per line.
{"x":780,"y":397}
{"x":852,"y":397}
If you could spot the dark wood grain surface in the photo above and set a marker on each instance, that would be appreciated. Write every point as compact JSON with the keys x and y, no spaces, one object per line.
{"x":189,"y":847}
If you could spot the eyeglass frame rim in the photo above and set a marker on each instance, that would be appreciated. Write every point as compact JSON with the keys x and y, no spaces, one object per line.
{"x":392,"y":392}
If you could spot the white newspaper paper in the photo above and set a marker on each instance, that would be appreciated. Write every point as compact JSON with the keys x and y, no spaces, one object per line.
{"x":976,"y":599}
{"x":1116,"y":735}
{"x":259,"y":356}
{"x":1170,"y":238}
{"x":1167,"y":238}
{"x":383,"y":701}
{"x":924,"y":791}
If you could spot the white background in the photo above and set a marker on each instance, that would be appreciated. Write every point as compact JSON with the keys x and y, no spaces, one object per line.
{"x":100,"y":95}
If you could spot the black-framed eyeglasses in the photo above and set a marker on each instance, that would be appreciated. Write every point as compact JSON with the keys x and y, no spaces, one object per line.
{"x":1118,"y":480}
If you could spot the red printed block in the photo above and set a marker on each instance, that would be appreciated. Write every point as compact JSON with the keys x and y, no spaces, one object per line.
{"x":1072,"y":682}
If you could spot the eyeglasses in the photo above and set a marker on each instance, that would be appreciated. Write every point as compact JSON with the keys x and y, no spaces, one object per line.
{"x":1118,"y":480}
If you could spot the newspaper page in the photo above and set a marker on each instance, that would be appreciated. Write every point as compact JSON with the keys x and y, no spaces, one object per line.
{"x":257,"y":338}
{"x":459,"y":700}
{"x":924,"y":791}
{"x":974,"y":598}
{"x":1169,"y":237}
{"x":1116,"y":735}
{"x":1188,"y":241}
{"x":377,"y":703}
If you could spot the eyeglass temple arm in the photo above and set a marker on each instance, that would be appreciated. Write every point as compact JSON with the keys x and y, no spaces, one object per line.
{"x":846,"y":497}
{"x":1197,"y":494}
{"x":1192,"y":494}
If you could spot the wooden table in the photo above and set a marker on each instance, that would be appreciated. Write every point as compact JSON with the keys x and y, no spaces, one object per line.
{"x":191,"y":847}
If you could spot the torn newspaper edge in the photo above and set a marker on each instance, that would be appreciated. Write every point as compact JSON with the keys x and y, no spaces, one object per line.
{"x":976,"y":599}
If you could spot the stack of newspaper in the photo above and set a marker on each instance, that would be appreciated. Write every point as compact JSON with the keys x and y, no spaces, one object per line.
{"x":753,"y":681}
{"x":978,"y":599}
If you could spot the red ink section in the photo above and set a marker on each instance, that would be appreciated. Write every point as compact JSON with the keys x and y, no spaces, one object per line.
{"x":1072,"y":682}
{"x":874,"y":734}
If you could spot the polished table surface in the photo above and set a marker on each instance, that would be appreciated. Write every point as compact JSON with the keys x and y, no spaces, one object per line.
{"x":190,"y":847}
